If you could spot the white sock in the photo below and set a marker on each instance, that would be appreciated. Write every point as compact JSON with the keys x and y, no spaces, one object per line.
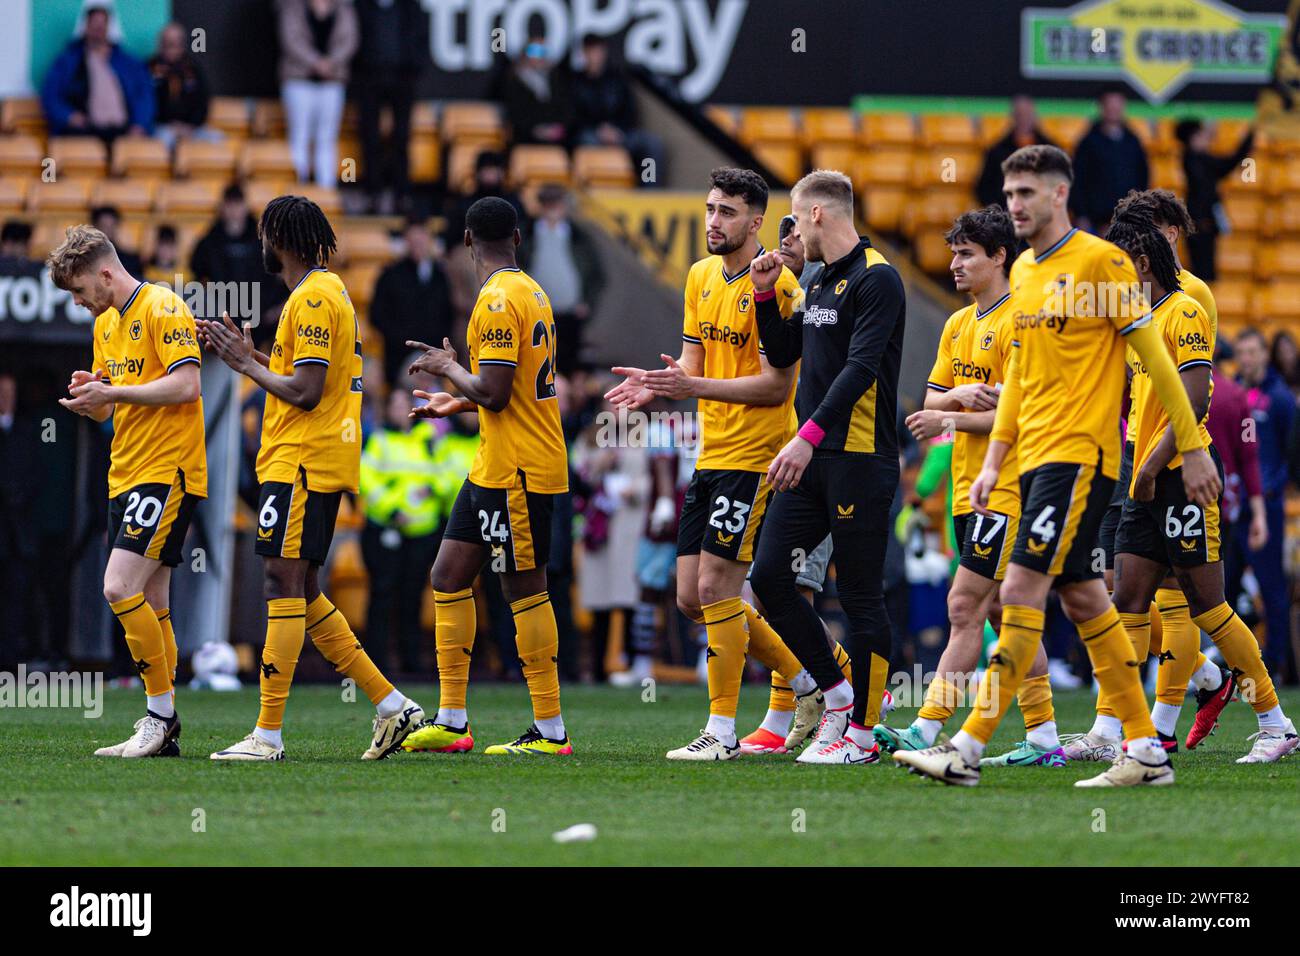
{"x":839,"y":697}
{"x":642,"y":665}
{"x":1147,"y":750}
{"x":724,"y":728}
{"x":164,"y":705}
{"x":1208,"y":676}
{"x":271,"y":737}
{"x":1044,"y":736}
{"x":970,"y":749}
{"x":777,"y":722}
{"x":1165,"y":717}
{"x":452,"y":717}
{"x":1272,"y":719}
{"x":392,"y":704}
{"x":1109,"y":727}
{"x":551,"y":727}
{"x":929,"y":729}
{"x":802,"y":683}
{"x":861,"y":736}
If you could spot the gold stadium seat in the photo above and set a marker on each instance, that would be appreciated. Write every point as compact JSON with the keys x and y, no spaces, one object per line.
{"x":931,"y":252}
{"x":424,"y":118}
{"x":78,"y":156}
{"x":723,"y":117}
{"x":460,"y":165}
{"x":361,"y":244}
{"x":1244,"y":211}
{"x":603,"y":166}
{"x":229,"y":114}
{"x":259,"y":192}
{"x":62,"y":196}
{"x":13,"y":194}
{"x":1280,"y":258}
{"x":991,"y":127}
{"x":128,"y":195}
{"x":1065,"y":131}
{"x":198,"y":196}
{"x":1228,"y":134}
{"x":1235,"y":255}
{"x":842,"y":156}
{"x":473,"y":122}
{"x":768,"y":124}
{"x":22,"y":114}
{"x":424,"y":157}
{"x":266,"y":159}
{"x":826,"y":126}
{"x":784,"y":159}
{"x":1232,"y":298}
{"x":196,"y":159}
{"x":1278,"y":300}
{"x":933,"y":211}
{"x":538,"y":164}
{"x":948,"y":129}
{"x":887,"y":129}
{"x":1283,"y":215}
{"x":21,"y":155}
{"x":359,"y":279}
{"x":268,"y":119}
{"x":140,"y":156}
{"x":1283,"y":175}
{"x":1167,"y":173}
{"x":945,"y":167}
{"x":887,"y":167}
{"x":883,"y":206}
{"x":327,"y":199}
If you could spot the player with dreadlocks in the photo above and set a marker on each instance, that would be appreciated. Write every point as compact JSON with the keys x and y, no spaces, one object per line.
{"x":1164,"y":539}
{"x":310,"y":455}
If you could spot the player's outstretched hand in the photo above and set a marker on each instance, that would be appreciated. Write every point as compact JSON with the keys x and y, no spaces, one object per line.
{"x":671,"y":382}
{"x":632,"y":391}
{"x":789,"y":464}
{"x":436,"y":404}
{"x":765,"y":270}
{"x":434,"y":361}
{"x":1200,"y":477}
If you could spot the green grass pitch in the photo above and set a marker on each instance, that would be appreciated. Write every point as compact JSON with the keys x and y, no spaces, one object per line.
{"x":323,"y":806}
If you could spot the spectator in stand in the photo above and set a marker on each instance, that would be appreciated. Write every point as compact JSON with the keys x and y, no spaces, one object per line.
{"x":1229,"y":417}
{"x":231,"y":252}
{"x":165,"y":264}
{"x":538,"y":106}
{"x":605,"y":112}
{"x":412,"y":299}
{"x":94,"y":87}
{"x":562,"y":256}
{"x":489,"y":180}
{"x":180,"y":88}
{"x":108,"y":220}
{"x":1203,"y":171}
{"x":317,"y":41}
{"x":16,"y":241}
{"x":1024,"y":131}
{"x":1108,"y":162}
{"x":1273,"y":408}
{"x":1286,"y":359}
{"x":19,"y":446}
{"x":393,"y":52}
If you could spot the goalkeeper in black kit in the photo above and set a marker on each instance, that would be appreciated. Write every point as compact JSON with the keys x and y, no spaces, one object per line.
{"x":840,"y":473}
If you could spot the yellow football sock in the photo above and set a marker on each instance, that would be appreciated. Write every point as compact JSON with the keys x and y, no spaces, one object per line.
{"x":725,"y":622}
{"x":144,"y":636}
{"x":846,"y":663}
{"x":1241,"y":651}
{"x":1157,"y":640}
{"x":1035,"y":700}
{"x":1138,"y":629}
{"x":286,"y":629}
{"x":767,"y":647}
{"x":1176,"y":661}
{"x":1115,"y":665}
{"x":169,"y":640}
{"x":333,"y":637}
{"x":781,"y":697}
{"x":877,"y":677}
{"x":538,"y":641}
{"x":1022,"y":633}
{"x":941,"y":700}
{"x":455,"y":621}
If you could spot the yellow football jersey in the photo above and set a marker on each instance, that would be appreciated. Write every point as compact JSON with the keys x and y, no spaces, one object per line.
{"x":976,"y":348}
{"x":318,"y":325}
{"x":512,"y":325}
{"x":1189,"y":337}
{"x":152,"y":336}
{"x":1198,"y":290}
{"x":1070,"y":308}
{"x":719,"y":316}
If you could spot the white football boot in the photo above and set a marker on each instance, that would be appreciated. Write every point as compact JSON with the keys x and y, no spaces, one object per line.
{"x":251,"y":747}
{"x":705,"y":747}
{"x":840,"y":751}
{"x":1090,"y":746}
{"x":942,"y":762}
{"x":830,"y":729}
{"x":389,"y":732}
{"x":1271,"y":745}
{"x":1128,"y":771}
{"x":807,"y":714}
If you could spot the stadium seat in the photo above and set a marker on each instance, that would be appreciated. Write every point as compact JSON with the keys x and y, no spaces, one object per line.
{"x":933,"y":211}
{"x":230,"y":115}
{"x":887,"y":167}
{"x":887,"y":129}
{"x":1065,"y":131}
{"x":932,"y":253}
{"x":78,"y":156}
{"x":1244,"y":210}
{"x":1278,"y":300}
{"x":328,"y":199}
{"x":360,"y":282}
{"x":603,"y":166}
{"x":883,"y":206}
{"x":361,"y":244}
{"x":141,"y":156}
{"x":1283,"y":175}
{"x":131,"y":196}
{"x":61,"y":196}
{"x":945,"y":167}
{"x":842,"y":156}
{"x":827,"y":126}
{"x":991,"y":127}
{"x":201,"y":160}
{"x":723,"y":117}
{"x":259,"y":192}
{"x":198,"y":196}
{"x":783,"y":159}
{"x":1279,"y":258}
{"x":424,"y":158}
{"x":268,"y":119}
{"x":22,"y":114}
{"x":1162,"y":141}
{"x":13,"y":194}
{"x":1228,"y":134}
{"x":768,"y":124}
{"x":1167,"y":173}
{"x":947,"y":129}
{"x":473,"y":123}
{"x":424,"y":118}
{"x":21,"y":156}
{"x":538,"y":164}
{"x":266,"y":159}
{"x":1236,"y":255}
{"x":1283,"y":217}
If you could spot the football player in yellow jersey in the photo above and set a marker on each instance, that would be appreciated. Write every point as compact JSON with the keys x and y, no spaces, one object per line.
{"x":1075,"y":301}
{"x":310,"y":455}
{"x":1175,"y":639}
{"x":145,"y":377}
{"x":974,"y":351}
{"x":503,"y":512}
{"x":746,"y":410}
{"x":1160,"y":528}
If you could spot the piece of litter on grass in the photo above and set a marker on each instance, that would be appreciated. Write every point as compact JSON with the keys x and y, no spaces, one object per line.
{"x":578,"y":833}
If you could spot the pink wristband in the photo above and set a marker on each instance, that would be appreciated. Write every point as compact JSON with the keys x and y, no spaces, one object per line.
{"x":812,"y":433}
{"x":764,"y":295}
